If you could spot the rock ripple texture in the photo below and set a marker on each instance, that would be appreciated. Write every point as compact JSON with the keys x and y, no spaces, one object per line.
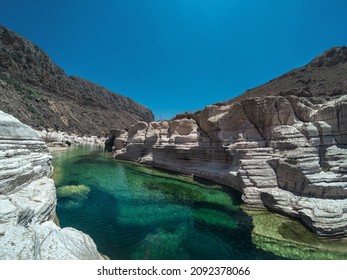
{"x":287,"y":153}
{"x":28,"y":200}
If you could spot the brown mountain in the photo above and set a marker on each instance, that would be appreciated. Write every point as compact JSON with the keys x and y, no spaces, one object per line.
{"x":325,"y":77}
{"x":39,"y":93}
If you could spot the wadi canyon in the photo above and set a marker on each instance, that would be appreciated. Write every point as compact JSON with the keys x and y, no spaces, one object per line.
{"x":283,"y":145}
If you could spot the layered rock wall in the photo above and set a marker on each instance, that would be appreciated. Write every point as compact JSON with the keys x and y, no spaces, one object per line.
{"x":284,"y":153}
{"x":28,"y":200}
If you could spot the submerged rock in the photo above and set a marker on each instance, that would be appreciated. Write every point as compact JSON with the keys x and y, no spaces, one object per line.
{"x":73,"y":196}
{"x":160,"y":244}
{"x":28,"y":200}
{"x":215,"y":217}
{"x":71,"y":191}
{"x":289,"y":238}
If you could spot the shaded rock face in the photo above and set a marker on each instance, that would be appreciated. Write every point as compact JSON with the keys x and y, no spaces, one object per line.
{"x":39,"y":93}
{"x":28,"y":200}
{"x":286,"y":153}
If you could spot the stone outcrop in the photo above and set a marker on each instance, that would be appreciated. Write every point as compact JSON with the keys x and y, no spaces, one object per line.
{"x":62,"y":139}
{"x":40,"y":94}
{"x":28,"y":200}
{"x":287,"y":153}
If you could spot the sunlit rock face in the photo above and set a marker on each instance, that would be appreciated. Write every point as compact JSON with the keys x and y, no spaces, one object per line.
{"x":28,"y":200}
{"x":283,"y":153}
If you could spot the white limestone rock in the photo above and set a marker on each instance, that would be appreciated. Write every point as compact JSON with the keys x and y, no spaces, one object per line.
{"x":287,"y":147}
{"x":327,"y":217}
{"x":45,"y":241}
{"x":59,"y":138}
{"x":28,"y":200}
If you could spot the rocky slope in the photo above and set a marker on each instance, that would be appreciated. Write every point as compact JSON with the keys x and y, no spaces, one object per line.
{"x":324,"y":78}
{"x":40,"y":94}
{"x":286,"y":152}
{"x":28,"y":200}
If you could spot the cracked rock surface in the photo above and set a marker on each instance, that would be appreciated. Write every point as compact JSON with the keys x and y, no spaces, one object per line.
{"x":28,"y":200}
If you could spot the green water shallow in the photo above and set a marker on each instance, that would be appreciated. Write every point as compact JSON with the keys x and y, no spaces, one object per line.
{"x":136,"y":212}
{"x":289,"y":238}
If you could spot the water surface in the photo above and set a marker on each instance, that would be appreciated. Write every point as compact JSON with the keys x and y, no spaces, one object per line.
{"x":134,"y":212}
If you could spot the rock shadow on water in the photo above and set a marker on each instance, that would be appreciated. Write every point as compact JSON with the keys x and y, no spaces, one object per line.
{"x":93,"y":160}
{"x":215,"y":218}
{"x":193,"y":195}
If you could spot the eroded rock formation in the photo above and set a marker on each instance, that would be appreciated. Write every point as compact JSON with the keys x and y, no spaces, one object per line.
{"x":62,"y":139}
{"x":286,"y":152}
{"x":28,"y":200}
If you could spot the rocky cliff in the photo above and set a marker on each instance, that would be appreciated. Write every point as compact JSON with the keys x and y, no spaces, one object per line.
{"x":282,"y":149}
{"x":28,"y":200}
{"x":39,"y":93}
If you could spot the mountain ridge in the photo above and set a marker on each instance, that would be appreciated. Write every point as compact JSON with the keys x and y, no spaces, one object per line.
{"x":39,"y":93}
{"x":323,"y":77}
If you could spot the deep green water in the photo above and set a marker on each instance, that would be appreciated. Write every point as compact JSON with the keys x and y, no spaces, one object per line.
{"x":133,"y":212}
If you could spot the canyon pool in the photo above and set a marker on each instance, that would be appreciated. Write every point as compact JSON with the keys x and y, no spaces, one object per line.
{"x":136,"y":212}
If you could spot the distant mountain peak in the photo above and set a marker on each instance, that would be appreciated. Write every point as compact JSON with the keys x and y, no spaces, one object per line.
{"x":330,"y":57}
{"x":325,"y":77}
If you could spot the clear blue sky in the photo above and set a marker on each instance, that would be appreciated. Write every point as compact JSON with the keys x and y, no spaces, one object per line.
{"x":179,"y":55}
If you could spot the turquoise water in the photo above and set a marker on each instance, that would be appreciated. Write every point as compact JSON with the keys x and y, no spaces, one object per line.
{"x":133,"y":212}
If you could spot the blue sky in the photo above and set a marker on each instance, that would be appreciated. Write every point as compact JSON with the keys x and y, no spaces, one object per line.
{"x":179,"y":55}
